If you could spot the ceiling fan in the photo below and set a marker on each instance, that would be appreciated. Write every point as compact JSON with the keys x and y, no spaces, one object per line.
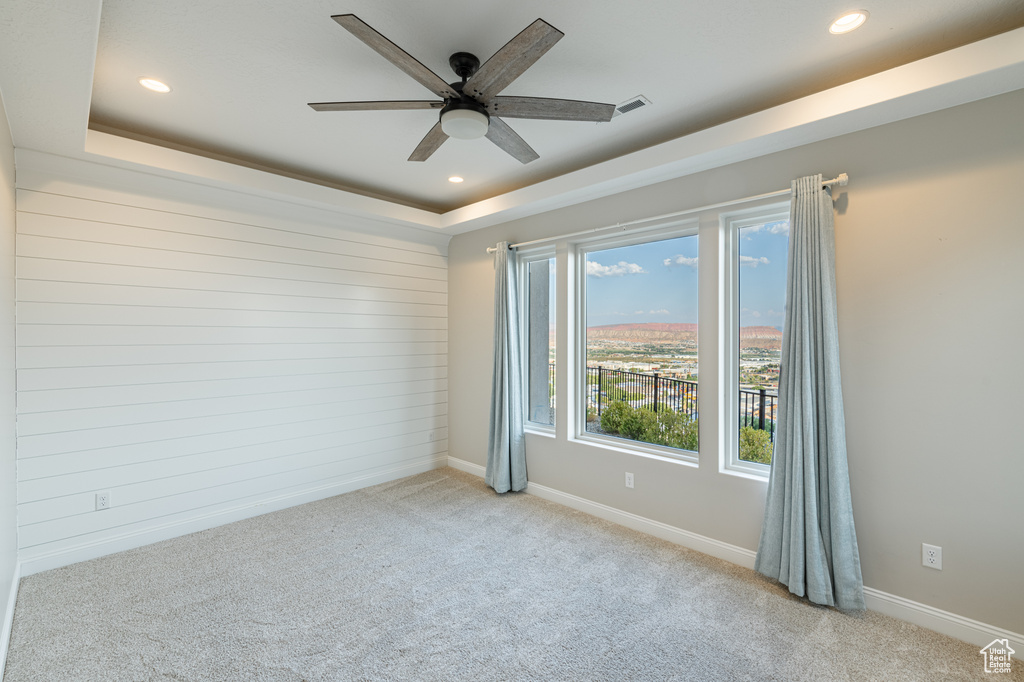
{"x":471,"y":108}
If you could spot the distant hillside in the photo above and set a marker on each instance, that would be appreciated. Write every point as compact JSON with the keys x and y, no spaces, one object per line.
{"x":675,"y":332}
{"x":648,"y":332}
{"x":760,"y":337}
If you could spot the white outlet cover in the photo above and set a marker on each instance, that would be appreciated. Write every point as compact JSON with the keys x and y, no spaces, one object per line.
{"x":931,"y":556}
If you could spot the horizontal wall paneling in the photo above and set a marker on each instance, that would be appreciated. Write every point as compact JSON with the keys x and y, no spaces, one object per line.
{"x":193,"y":359}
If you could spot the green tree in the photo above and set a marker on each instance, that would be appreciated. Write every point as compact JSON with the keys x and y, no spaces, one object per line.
{"x":611,"y":416}
{"x":755,"y":445}
{"x":637,"y":422}
{"x":665,"y":427}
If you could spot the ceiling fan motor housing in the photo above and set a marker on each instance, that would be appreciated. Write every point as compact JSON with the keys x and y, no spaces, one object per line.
{"x":464,"y":118}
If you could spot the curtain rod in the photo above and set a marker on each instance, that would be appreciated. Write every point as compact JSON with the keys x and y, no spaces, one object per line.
{"x":842,"y":180}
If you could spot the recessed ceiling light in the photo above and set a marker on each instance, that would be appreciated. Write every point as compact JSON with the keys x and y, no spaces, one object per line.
{"x":154,"y":85}
{"x":849,"y":21}
{"x":455,"y":179}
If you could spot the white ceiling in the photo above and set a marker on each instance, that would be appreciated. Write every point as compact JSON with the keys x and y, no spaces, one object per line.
{"x":242,"y":73}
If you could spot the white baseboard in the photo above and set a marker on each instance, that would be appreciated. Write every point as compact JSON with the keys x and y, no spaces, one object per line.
{"x":706,"y":545}
{"x":5,"y":637}
{"x":468,"y":467}
{"x":943,"y":622}
{"x":32,"y":562}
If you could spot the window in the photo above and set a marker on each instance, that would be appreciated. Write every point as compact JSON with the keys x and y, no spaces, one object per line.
{"x":538,"y":329}
{"x":645,"y":310}
{"x":638,"y":332}
{"x":756,"y":276}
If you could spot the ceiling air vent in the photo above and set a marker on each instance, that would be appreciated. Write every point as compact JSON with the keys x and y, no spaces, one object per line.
{"x":631,"y":104}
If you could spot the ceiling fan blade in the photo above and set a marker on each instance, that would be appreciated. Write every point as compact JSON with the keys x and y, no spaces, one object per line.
{"x":509,"y":62}
{"x":429,"y":144}
{"x":550,"y":109}
{"x":396,"y":55}
{"x":375,"y":106}
{"x":500,"y":134}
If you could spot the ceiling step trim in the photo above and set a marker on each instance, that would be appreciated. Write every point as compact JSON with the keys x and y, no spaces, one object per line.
{"x":987,"y":68}
{"x":983,"y":69}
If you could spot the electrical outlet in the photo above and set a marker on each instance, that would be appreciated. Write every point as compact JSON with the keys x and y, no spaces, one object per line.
{"x":432,"y":436}
{"x":629,"y":480}
{"x":102,"y":501}
{"x":931,"y":556}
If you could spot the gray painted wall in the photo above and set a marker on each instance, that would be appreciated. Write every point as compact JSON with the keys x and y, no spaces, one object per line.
{"x":929,"y":240}
{"x":8,"y":471}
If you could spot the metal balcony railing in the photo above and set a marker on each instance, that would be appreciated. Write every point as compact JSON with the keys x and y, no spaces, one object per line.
{"x":640,"y":390}
{"x":757,"y":408}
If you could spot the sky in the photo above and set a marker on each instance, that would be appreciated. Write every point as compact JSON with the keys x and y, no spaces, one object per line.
{"x":762,"y":270}
{"x":657,"y":281}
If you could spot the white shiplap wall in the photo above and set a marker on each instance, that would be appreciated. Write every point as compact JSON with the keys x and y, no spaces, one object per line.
{"x":8,"y":444}
{"x":204,"y":363}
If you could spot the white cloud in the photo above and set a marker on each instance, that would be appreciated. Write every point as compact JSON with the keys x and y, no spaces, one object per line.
{"x":752,"y":313}
{"x":752,"y":262}
{"x":681,"y":260}
{"x":781,"y":227}
{"x":663,"y":311}
{"x":595,"y":269}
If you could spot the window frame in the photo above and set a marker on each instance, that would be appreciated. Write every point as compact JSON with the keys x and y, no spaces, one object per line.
{"x":730,"y":223}
{"x":684,"y":227}
{"x":524,"y":258}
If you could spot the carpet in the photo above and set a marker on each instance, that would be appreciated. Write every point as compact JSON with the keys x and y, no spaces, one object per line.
{"x":435,"y":577}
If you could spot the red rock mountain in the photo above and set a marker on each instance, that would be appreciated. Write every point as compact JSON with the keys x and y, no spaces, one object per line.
{"x":760,"y":337}
{"x":648,"y":332}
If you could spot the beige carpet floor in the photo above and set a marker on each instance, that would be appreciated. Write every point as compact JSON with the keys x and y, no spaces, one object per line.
{"x":434,"y":577}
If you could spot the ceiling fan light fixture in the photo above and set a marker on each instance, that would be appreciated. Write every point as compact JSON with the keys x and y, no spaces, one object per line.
{"x":849,"y":22}
{"x":464,"y":124}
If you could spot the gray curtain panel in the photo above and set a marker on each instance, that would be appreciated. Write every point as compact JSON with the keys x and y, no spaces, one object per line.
{"x":506,"y":454}
{"x":808,"y":541}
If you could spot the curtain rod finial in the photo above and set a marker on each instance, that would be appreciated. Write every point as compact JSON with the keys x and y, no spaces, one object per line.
{"x":844,"y":179}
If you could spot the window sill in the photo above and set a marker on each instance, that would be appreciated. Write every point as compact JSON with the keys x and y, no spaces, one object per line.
{"x":539,"y":430}
{"x":745,"y":473}
{"x":627,"y":447}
